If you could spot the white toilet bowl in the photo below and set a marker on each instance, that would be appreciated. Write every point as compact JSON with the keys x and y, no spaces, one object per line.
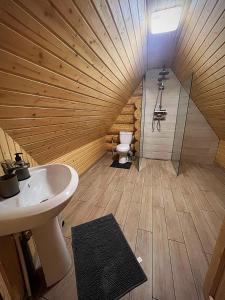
{"x":124,"y":147}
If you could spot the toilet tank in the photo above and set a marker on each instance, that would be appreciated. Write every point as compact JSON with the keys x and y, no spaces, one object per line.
{"x":126,"y":137}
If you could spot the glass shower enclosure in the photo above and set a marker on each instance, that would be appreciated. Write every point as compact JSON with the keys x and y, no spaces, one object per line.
{"x":183,"y":103}
{"x":184,"y":90}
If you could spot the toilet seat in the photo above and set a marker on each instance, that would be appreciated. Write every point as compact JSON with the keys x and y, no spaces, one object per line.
{"x":123,"y":147}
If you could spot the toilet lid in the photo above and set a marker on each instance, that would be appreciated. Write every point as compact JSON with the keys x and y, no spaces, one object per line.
{"x":123,"y":147}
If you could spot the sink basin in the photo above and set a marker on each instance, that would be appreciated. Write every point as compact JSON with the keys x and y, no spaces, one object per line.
{"x":42,"y":197}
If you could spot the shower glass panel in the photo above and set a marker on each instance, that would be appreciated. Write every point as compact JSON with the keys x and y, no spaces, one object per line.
{"x":184,"y":96}
{"x":142,"y":121}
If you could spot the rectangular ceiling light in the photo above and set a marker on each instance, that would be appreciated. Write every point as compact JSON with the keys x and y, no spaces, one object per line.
{"x":165,"y":20}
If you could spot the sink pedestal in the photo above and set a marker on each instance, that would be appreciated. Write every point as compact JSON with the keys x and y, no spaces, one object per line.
{"x":54,"y":255}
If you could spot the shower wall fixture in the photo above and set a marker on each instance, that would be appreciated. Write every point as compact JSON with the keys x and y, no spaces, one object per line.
{"x":159,"y":110}
{"x":159,"y":113}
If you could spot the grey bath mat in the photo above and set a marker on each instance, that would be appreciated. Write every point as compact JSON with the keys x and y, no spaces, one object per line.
{"x":106,"y":268}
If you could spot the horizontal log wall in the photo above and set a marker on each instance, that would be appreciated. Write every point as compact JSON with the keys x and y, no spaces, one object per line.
{"x":67,"y":69}
{"x":128,"y":120}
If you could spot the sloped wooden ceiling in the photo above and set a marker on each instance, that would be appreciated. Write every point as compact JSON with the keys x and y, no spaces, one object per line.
{"x":201,"y":49}
{"x":67,"y":67}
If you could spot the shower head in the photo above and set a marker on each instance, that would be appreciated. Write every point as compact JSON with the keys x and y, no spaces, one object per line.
{"x":164,"y":73}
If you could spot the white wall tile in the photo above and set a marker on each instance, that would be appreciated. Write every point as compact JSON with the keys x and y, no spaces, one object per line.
{"x":158,"y":145}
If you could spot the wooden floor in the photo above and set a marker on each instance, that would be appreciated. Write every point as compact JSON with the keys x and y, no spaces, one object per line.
{"x":170,"y":222}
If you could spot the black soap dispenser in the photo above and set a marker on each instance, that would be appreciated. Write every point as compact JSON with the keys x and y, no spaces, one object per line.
{"x":22,"y":170}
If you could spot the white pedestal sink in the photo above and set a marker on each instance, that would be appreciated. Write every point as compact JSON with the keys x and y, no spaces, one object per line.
{"x":42,"y":197}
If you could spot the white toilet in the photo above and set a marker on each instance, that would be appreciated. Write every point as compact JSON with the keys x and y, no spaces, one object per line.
{"x":124,"y":147}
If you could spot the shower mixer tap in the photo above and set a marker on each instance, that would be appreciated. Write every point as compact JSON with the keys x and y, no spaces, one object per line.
{"x":159,"y":114}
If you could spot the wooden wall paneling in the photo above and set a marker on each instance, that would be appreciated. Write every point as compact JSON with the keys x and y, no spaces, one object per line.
{"x":130,"y":24}
{"x":81,"y":159}
{"x":210,"y":30}
{"x":72,"y":71}
{"x":221,"y":289}
{"x":68,"y":68}
{"x":8,"y":148}
{"x":214,"y":281}
{"x":30,"y":87}
{"x":185,"y":14}
{"x":32,"y":71}
{"x":114,"y":6}
{"x":45,"y":43}
{"x":105,"y":13}
{"x":10,"y":268}
{"x":190,"y":25}
{"x":201,"y":50}
{"x":92,"y":18}
{"x":58,"y":149}
{"x":134,"y":9}
{"x":4,"y":146}
{"x":181,"y":31}
{"x":4,"y":285}
{"x":113,"y":40}
{"x":43,"y":132}
{"x":220,"y":156}
{"x":110,"y":57}
{"x":142,"y":9}
{"x":36,"y":105}
{"x":60,"y":55}
{"x":82,"y":40}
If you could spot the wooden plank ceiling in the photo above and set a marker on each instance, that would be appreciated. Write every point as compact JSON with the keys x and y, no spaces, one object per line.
{"x":69,"y":66}
{"x":201,"y":49}
{"x":67,"y":69}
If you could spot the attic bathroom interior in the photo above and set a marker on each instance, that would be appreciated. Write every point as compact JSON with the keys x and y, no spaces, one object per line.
{"x":112,"y":149}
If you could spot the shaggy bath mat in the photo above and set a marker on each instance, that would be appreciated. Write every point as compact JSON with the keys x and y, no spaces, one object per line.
{"x":105,"y":265}
{"x":116,"y":164}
